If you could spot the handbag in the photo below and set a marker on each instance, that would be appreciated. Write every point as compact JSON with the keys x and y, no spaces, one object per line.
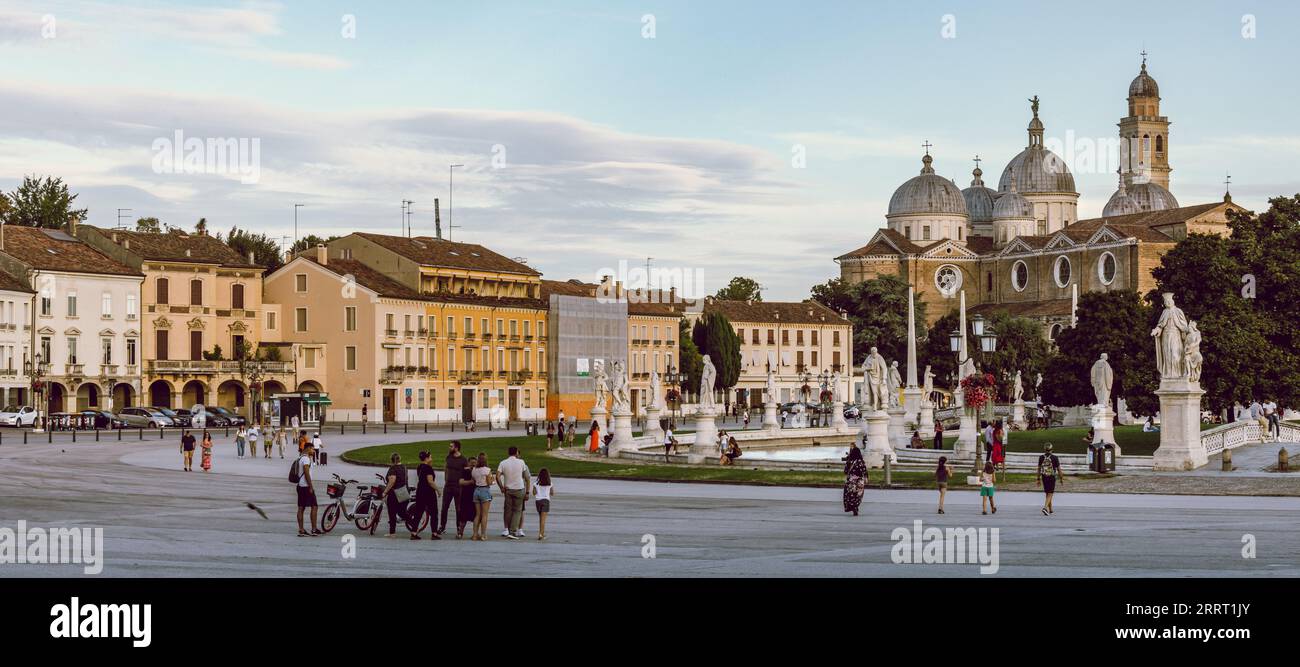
{"x":402,"y":494}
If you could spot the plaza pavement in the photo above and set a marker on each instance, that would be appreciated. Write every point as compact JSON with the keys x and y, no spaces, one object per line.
{"x":161,"y":522}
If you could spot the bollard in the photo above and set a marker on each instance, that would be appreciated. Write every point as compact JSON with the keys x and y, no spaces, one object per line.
{"x":161,"y":436}
{"x":96,"y":435}
{"x":406,"y":428}
{"x":74,"y":435}
{"x":50,"y":436}
{"x":119,"y":434}
{"x":24,"y":437}
{"x":1283,"y":460}
{"x":426,"y":427}
{"x":889,"y":478}
{"x":140,"y":431}
{"x":1227,"y":461}
{"x":385,"y":428}
{"x":363,"y":428}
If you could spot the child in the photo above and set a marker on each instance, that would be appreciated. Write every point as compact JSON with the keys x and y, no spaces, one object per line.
{"x":542,"y":492}
{"x":941,"y":475}
{"x":320,"y":448}
{"x":986,"y":489}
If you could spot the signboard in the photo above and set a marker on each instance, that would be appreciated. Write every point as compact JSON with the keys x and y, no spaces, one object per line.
{"x":409,"y":391}
{"x":584,"y":368}
{"x":492,"y":393}
{"x":365,"y":393}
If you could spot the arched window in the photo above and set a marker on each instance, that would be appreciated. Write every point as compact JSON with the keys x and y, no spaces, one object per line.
{"x":1160,"y":143}
{"x":1146,"y":147}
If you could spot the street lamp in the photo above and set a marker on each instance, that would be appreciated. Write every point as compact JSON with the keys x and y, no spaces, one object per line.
{"x":36,"y":370}
{"x":674,"y":378}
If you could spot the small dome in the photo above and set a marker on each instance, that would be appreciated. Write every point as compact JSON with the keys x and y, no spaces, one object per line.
{"x":1011,"y":206}
{"x":1120,"y":203}
{"x":1037,"y":169}
{"x":1152,"y":197}
{"x":1143,"y":85}
{"x":979,"y":199}
{"x":927,"y":193}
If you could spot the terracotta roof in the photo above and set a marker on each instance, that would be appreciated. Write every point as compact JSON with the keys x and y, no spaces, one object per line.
{"x":787,"y":312}
{"x":14,"y":283}
{"x":481,"y":300}
{"x":980,"y":245}
{"x":367,"y":278}
{"x":429,"y":251}
{"x":173,"y":246}
{"x":880,"y":246}
{"x":1171,"y":216}
{"x":571,"y":287}
{"x":56,"y":250}
{"x":1048,"y":308}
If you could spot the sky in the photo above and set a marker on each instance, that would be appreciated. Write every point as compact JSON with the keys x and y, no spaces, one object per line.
{"x":713,"y":137}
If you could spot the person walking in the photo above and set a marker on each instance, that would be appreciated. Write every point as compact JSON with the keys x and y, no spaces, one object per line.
{"x":465,"y":508}
{"x":997,"y":454}
{"x":319,"y":445}
{"x":938,"y":434}
{"x":670,"y":443}
{"x":187,"y":451}
{"x":240,"y":437}
{"x":483,"y":479}
{"x":543,"y":491}
{"x":572,"y":432}
{"x":206,"y":460}
{"x":1049,"y":474}
{"x":365,"y":412}
{"x":302,"y":442}
{"x":559,"y":431}
{"x":855,"y":479}
{"x":453,"y":471}
{"x":1273,"y":419}
{"x":396,"y":492}
{"x":986,"y":489}
{"x":252,"y":443}
{"x":280,"y":437}
{"x":593,"y":437}
{"x":550,"y":434}
{"x":426,"y":498}
{"x":941,"y":476}
{"x":306,"y":495}
{"x":513,"y":479}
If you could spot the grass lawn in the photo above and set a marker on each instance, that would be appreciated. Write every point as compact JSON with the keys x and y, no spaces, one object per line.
{"x":533,"y":450}
{"x":1069,"y":440}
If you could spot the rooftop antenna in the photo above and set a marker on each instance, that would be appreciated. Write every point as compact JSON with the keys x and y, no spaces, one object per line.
{"x":406,"y":217}
{"x":119,"y":217}
{"x":437,"y":219}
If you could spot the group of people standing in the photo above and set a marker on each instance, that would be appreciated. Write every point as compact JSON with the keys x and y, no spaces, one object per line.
{"x":246,"y":441}
{"x":561,"y":432}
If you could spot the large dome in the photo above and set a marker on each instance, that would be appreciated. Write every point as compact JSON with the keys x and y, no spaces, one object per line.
{"x":1152,"y":197}
{"x":1143,"y":85}
{"x":1037,"y":169}
{"x":927,"y":193}
{"x":979,"y":199}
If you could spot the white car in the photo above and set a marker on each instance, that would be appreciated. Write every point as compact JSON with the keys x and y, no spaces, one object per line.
{"x":15,"y":415}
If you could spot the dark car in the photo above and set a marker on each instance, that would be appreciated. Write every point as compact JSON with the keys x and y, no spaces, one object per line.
{"x":103,"y":419}
{"x":852,"y":411}
{"x":179,"y":417}
{"x":232,"y":419}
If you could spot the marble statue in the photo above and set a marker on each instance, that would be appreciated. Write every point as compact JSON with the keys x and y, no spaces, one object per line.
{"x":876,"y":374}
{"x":1038,"y":383}
{"x":619,"y":388}
{"x":656,"y":391}
{"x":1017,"y":389}
{"x":1170,"y":334}
{"x":895,"y":383}
{"x":837,"y":396}
{"x":601,"y":385}
{"x":1102,"y":379}
{"x":967,"y":369}
{"x":708,"y":377}
{"x":927,"y":392}
{"x":1193,"y":358}
{"x":771,"y":386}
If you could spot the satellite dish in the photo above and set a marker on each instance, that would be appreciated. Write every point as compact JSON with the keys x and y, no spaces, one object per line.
{"x":198,"y":416}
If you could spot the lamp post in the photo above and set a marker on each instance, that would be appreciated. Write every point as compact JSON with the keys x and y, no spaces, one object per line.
{"x":36,"y":370}
{"x":674,"y":379}
{"x":988,"y":344}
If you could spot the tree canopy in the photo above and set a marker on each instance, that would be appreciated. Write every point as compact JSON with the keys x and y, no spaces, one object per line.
{"x":714,"y":336}
{"x":741,"y":289}
{"x":878,"y":310}
{"x":266,"y":251}
{"x":40,"y":202}
{"x":1116,"y":323}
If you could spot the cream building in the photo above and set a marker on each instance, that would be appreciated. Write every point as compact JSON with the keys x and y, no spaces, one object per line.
{"x":86,"y":321}
{"x":15,"y":340}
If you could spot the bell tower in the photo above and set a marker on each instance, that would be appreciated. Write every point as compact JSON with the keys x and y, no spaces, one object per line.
{"x":1144,"y":134}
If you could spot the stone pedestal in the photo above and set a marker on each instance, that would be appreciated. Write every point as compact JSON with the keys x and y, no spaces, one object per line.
{"x":1103,"y":426}
{"x":622,"y":432}
{"x":899,"y":436}
{"x":1018,"y":415}
{"x":601,"y":417}
{"x":770,"y":422}
{"x":926,"y":421}
{"x":1180,"y":426}
{"x":912,"y":406}
{"x":966,"y":435}
{"x":705,"y":446}
{"x":876,"y":428}
{"x":837,"y":415}
{"x":652,"y":428}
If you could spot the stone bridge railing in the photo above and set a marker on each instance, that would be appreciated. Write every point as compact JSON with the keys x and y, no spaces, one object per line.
{"x":1246,"y":432}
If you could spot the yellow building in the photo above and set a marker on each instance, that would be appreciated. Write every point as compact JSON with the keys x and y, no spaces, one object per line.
{"x":479,"y":345}
{"x":198,"y":295}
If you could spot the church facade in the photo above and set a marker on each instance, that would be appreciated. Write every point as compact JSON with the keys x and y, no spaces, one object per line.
{"x":1022,"y":248}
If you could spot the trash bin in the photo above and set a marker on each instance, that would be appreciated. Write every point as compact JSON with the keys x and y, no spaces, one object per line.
{"x":1107,"y":458}
{"x":1094,"y":458}
{"x":530,"y":428}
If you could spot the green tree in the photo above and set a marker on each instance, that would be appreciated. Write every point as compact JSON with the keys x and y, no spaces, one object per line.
{"x":40,"y":203}
{"x":1021,"y":347}
{"x":201,"y":227}
{"x":716,"y":337}
{"x":688,"y":356}
{"x":310,"y":241}
{"x":936,"y":352}
{"x":215,"y":354}
{"x":148,"y":225}
{"x":878,"y":310}
{"x":1116,"y":323}
{"x":266,"y":251}
{"x":741,"y":289}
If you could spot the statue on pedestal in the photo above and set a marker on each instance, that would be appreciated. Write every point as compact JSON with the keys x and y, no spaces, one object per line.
{"x":1170,"y":334}
{"x":601,"y":386}
{"x":895,"y":383}
{"x":656,"y":391}
{"x":927,"y":391}
{"x":875,"y":373}
{"x":1193,"y":360}
{"x":837,"y":396}
{"x":1102,"y":379}
{"x":620,"y":389}
{"x":1017,"y":389}
{"x":771,"y":386}
{"x":708,"y":377}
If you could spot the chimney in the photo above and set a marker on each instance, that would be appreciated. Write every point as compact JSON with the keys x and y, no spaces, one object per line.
{"x":322,"y":254}
{"x":72,"y":224}
{"x":437,"y":219}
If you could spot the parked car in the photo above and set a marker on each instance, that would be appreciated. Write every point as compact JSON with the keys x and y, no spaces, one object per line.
{"x":182,"y":420}
{"x":211,"y":418}
{"x":103,"y":419}
{"x":16,"y":415}
{"x":145,"y":418}
{"x":187,"y":418}
{"x":232,"y":419}
{"x":852,"y":411}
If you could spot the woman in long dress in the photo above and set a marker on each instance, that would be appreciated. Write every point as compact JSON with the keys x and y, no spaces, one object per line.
{"x":594,"y":437}
{"x":206,"y":463}
{"x":855,"y":479}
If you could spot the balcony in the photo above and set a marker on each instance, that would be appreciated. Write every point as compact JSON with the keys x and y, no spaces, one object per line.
{"x":520,"y":377}
{"x":422,"y":333}
{"x":487,"y":337}
{"x":469,"y":335}
{"x":108,"y":370}
{"x":451,"y":335}
{"x":7,"y":372}
{"x":236,"y":312}
{"x":514,"y":338}
{"x":392,"y":375}
{"x":390,"y":333}
{"x":408,"y":333}
{"x":209,"y":367}
{"x":501,"y":375}
{"x":73,"y":370}
{"x":670,"y":342}
{"x":471,"y":377}
{"x":528,"y":339}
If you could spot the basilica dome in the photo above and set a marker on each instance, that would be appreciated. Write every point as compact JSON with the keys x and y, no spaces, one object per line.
{"x":1152,"y":197}
{"x":927,"y":193}
{"x":1120,"y":203}
{"x":1011,"y":205}
{"x":1037,"y":169}
{"x":979,"y":199}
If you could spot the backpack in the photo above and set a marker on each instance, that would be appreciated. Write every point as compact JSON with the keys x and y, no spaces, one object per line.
{"x":1045,"y":466}
{"x":295,"y":471}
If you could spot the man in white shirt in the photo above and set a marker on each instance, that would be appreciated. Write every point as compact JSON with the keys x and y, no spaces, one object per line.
{"x":670,"y":445}
{"x":514,"y":479}
{"x":1274,"y":423}
{"x":306,"y":492}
